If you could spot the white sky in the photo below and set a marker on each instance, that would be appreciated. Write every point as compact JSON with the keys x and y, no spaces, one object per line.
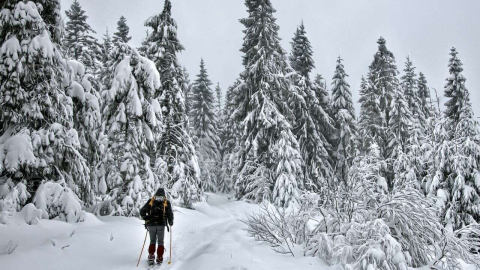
{"x":425,"y":30}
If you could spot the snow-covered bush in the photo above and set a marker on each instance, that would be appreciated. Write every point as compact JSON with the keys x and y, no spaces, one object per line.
{"x":58,"y":201}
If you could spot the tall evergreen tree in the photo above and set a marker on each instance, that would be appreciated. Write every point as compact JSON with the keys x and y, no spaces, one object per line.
{"x":204,"y":126}
{"x":423,"y":94}
{"x":175,"y":146}
{"x":218,"y":101}
{"x":455,"y":174}
{"x":78,"y":41}
{"x":188,"y":91}
{"x":383,"y":83}
{"x":311,"y":118}
{"x":301,"y":57}
{"x":133,"y":122}
{"x":122,"y":31}
{"x":369,"y":120}
{"x":409,"y":84}
{"x":344,"y":115}
{"x":268,"y":148}
{"x":38,"y":140}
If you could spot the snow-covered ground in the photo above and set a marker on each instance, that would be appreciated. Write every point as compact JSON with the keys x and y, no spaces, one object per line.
{"x":210,"y":237}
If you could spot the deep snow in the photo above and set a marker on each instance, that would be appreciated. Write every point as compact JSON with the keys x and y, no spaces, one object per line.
{"x":210,"y":237}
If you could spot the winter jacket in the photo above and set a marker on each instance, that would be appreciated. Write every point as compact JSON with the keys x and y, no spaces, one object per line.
{"x":153,"y":212}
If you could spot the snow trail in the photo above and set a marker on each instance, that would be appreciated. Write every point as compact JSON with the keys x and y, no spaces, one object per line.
{"x":209,"y":237}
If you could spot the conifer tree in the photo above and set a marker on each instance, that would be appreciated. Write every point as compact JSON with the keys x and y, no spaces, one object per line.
{"x":188,"y":91}
{"x":383,"y":82}
{"x":122,"y":31}
{"x":218,"y":101}
{"x":204,"y":127}
{"x":310,"y":116}
{"x":175,"y":147}
{"x":410,"y":90}
{"x":344,"y":115}
{"x":301,"y":57}
{"x":228,"y":134}
{"x":423,"y":94}
{"x":455,"y":174}
{"x":38,"y":138}
{"x":106,"y":69}
{"x":369,"y":120}
{"x":268,"y":149}
{"x":133,"y":123}
{"x":78,"y":41}
{"x":400,"y":125}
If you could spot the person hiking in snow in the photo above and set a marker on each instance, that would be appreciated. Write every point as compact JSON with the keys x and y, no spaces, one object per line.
{"x":157,"y":213}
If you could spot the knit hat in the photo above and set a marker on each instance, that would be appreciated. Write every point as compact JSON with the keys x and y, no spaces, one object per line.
{"x":160,"y":192}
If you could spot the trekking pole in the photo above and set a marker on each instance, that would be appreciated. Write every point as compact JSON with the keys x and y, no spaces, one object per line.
{"x":142,"y":248}
{"x":170,"y":259}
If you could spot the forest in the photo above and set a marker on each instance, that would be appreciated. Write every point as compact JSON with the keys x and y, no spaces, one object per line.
{"x":97,"y":126}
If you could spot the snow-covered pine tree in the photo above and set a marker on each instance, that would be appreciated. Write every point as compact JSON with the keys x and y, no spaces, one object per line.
{"x":455,"y":175}
{"x":133,"y":123}
{"x":310,"y":117}
{"x":188,"y":91}
{"x":301,"y":59}
{"x":344,"y":115}
{"x":382,"y":82}
{"x":409,"y":83}
{"x":369,"y":120}
{"x":228,"y":134}
{"x":107,"y":46}
{"x":175,"y":146}
{"x":83,"y":88}
{"x":122,"y":31}
{"x":399,"y":131}
{"x":218,"y":101}
{"x":106,"y":71}
{"x":423,"y":94}
{"x":78,"y":42}
{"x":267,"y":147}
{"x":204,"y":129}
{"x":38,"y":141}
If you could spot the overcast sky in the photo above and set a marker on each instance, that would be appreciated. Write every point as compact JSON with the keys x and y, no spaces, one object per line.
{"x":423,"y":29}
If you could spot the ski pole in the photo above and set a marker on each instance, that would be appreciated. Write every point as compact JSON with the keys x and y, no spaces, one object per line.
{"x":142,"y":248}
{"x":170,"y":260}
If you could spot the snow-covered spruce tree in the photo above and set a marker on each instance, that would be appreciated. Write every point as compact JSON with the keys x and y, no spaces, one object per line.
{"x":38,"y":141}
{"x":455,"y":175}
{"x":188,"y":91}
{"x":175,"y":146}
{"x":312,"y":122}
{"x":261,"y":110}
{"x":409,"y":83}
{"x":382,"y":82}
{"x":105,"y":74}
{"x":204,"y":129}
{"x":344,"y":115}
{"x":400,"y":125}
{"x":301,"y":56}
{"x":228,"y":135}
{"x":369,"y":120}
{"x":133,"y":123}
{"x":122,"y":31}
{"x":78,"y":42}
{"x":423,"y":94}
{"x":218,"y":101}
{"x":83,"y":88}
